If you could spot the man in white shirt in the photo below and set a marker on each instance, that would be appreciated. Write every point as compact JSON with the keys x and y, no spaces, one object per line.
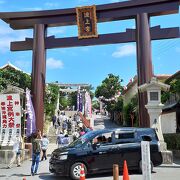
{"x":16,"y":152}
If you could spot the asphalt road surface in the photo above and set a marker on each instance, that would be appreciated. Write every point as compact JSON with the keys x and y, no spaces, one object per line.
{"x":163,"y":172}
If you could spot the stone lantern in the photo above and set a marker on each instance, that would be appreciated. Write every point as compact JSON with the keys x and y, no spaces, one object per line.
{"x":154,"y":108}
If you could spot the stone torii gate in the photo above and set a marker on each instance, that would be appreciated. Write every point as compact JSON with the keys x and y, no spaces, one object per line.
{"x":140,"y":10}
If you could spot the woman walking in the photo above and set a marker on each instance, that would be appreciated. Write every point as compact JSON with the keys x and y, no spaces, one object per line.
{"x":44,"y":146}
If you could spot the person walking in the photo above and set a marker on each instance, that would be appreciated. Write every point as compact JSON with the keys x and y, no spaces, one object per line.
{"x":54,"y":121}
{"x":64,"y":126}
{"x":59,"y":139}
{"x":65,"y":140}
{"x":82,"y":132}
{"x":44,"y":146}
{"x":36,"y":151}
{"x":17,"y":145}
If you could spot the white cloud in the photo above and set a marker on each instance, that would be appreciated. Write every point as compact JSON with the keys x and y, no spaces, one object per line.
{"x":4,"y":30}
{"x":8,"y":35}
{"x":56,"y":30}
{"x":23,"y":64}
{"x":54,"y":64}
{"x":51,"y":5}
{"x":5,"y":44}
{"x":33,"y":9}
{"x":126,"y":50}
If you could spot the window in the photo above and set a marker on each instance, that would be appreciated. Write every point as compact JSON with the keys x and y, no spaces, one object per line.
{"x":103,"y":139}
{"x":124,"y":137}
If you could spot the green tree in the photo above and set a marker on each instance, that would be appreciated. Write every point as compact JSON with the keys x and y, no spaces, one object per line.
{"x":51,"y":97}
{"x":109,"y":88}
{"x":174,"y":90}
{"x":95,"y":105}
{"x":130,"y":112}
{"x":10,"y":76}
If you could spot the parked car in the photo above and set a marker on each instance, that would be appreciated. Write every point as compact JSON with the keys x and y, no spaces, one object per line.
{"x":99,"y":150}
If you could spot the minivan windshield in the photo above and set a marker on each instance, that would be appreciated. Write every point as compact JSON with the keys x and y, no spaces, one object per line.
{"x":82,"y":139}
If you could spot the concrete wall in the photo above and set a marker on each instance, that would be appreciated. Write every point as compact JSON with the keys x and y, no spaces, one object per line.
{"x":168,"y":122}
{"x":6,"y":155}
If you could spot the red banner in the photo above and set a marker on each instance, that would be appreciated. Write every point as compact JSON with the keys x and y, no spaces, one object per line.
{"x":10,"y":111}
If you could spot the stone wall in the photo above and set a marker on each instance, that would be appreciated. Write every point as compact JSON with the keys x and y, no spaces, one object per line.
{"x":6,"y":155}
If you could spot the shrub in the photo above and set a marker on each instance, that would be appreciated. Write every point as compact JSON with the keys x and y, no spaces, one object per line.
{"x":173,"y":141}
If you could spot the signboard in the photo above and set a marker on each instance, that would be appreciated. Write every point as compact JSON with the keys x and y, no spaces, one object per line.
{"x":146,"y":163}
{"x":10,"y":111}
{"x":87,"y":22}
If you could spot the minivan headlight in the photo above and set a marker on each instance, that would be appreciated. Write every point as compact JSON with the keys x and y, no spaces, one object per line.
{"x":62,"y":157}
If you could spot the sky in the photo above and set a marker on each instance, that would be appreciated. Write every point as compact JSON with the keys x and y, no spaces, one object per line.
{"x":90,"y":64}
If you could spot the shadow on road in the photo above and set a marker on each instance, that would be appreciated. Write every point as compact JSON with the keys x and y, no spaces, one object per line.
{"x":51,"y":176}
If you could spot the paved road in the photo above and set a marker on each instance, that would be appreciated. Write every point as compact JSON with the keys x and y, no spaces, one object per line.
{"x":164,"y":172}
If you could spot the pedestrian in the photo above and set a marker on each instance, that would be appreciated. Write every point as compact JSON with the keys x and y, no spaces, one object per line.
{"x":69,"y":126}
{"x":75,"y":135}
{"x":44,"y":146}
{"x":64,"y":126}
{"x":65,"y":140}
{"x":59,"y":139}
{"x":17,"y":149}
{"x":54,"y":121}
{"x":87,"y":130}
{"x":73,"y":126}
{"x":82,"y":132}
{"x":36,"y":151}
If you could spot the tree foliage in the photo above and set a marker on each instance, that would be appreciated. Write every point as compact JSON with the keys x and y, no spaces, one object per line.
{"x":174,"y":91}
{"x":11,"y":76}
{"x":109,"y":88}
{"x":130,"y":112}
{"x":51,"y":97}
{"x":95,"y":105}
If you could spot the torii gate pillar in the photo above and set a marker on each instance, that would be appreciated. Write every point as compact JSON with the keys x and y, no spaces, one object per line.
{"x":144,"y":63}
{"x":38,"y":73}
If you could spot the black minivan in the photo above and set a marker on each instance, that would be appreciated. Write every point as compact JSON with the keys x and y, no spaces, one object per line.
{"x":99,"y":150}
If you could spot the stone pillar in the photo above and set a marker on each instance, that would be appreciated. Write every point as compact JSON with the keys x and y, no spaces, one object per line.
{"x":155,"y":119}
{"x":38,"y":73}
{"x":144,"y":63}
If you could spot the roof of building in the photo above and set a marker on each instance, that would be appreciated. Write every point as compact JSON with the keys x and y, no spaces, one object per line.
{"x":171,"y":107}
{"x":13,"y":67}
{"x":133,"y":81}
{"x":10,"y":65}
{"x":176,"y":75}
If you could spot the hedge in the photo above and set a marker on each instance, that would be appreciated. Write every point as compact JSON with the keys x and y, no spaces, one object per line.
{"x":173,"y":141}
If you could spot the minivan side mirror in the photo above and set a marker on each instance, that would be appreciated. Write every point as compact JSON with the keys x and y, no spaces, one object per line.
{"x":146,"y":138}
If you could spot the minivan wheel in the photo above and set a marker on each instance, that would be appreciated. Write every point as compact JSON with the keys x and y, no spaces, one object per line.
{"x":75,"y":170}
{"x":140,"y":166}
